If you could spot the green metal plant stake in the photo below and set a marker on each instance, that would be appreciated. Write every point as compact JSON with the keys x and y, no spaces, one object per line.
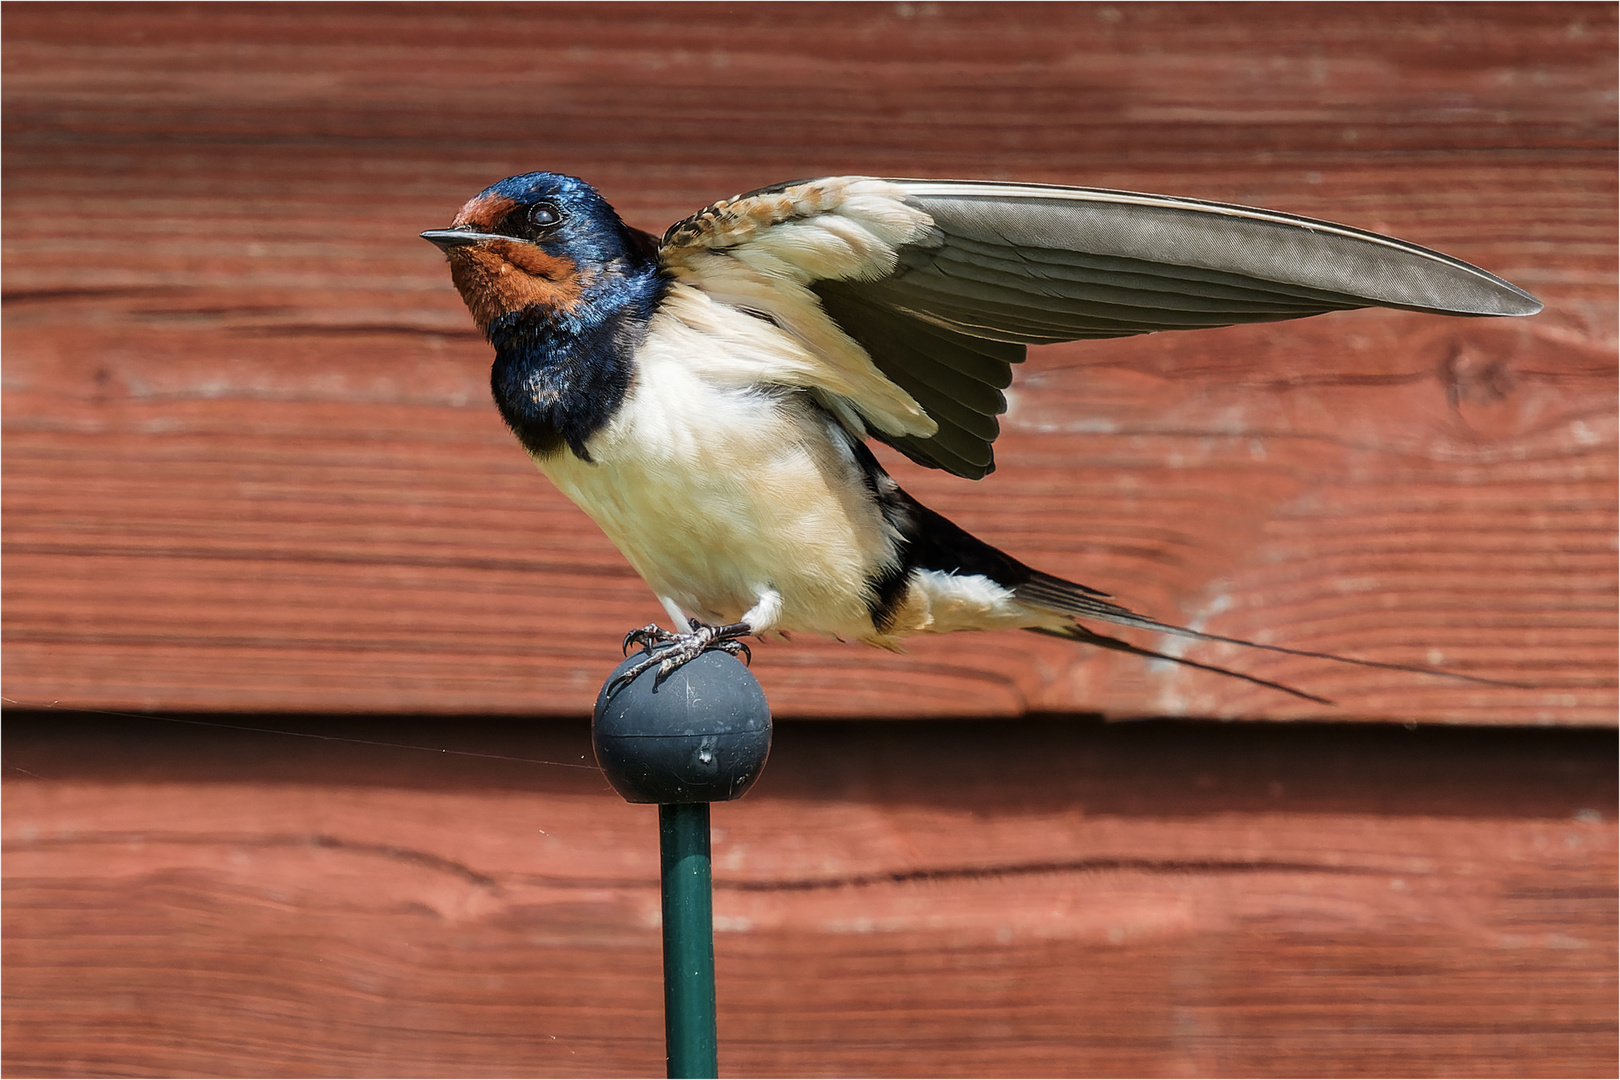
{"x":689,"y":1027}
{"x":700,"y":736}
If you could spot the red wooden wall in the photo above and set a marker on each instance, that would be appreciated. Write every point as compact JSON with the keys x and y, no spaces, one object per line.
{"x":251,"y":475}
{"x":250,"y":460}
{"x":946,"y":899}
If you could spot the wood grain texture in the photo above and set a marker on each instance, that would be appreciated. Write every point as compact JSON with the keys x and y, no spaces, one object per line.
{"x":1068,"y":898}
{"x":249,"y":456}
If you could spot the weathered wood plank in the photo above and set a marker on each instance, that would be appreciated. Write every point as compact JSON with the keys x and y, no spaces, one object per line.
{"x":250,"y":461}
{"x":1061,"y":899}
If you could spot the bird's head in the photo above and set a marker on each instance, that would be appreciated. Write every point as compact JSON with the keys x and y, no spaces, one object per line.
{"x":542,"y":243}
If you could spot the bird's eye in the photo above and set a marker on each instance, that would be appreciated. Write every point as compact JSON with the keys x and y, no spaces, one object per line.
{"x":545,"y":215}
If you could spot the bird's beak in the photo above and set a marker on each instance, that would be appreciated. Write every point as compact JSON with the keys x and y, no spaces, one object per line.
{"x":445,"y":239}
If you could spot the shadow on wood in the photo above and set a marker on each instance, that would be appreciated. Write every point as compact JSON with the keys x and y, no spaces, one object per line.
{"x":1056,"y":897}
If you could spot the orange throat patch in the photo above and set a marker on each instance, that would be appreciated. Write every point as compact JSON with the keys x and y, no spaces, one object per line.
{"x":498,"y":277}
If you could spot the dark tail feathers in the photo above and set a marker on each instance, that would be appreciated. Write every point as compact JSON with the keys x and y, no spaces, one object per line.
{"x":1079,"y":602}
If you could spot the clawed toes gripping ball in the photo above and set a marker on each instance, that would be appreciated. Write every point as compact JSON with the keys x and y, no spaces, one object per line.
{"x":702,"y":735}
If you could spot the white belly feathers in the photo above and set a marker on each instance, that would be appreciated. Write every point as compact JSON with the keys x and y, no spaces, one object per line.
{"x":732,"y":494}
{"x":720,"y":492}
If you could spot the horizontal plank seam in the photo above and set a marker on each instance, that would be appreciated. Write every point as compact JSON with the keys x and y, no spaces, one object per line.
{"x":887,"y":877}
{"x":283,"y":840}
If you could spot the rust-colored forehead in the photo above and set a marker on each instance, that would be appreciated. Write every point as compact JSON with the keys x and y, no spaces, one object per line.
{"x":483,"y":211}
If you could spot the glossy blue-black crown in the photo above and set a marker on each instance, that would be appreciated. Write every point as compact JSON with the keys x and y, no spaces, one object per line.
{"x":561,"y":374}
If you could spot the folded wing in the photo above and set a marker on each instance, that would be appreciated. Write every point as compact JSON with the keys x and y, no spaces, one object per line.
{"x":941,"y":284}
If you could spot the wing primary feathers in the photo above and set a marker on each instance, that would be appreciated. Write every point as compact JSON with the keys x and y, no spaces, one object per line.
{"x":1068,"y":314}
{"x":1123,"y":271}
{"x":1252,"y":243}
{"x":1110,"y":292}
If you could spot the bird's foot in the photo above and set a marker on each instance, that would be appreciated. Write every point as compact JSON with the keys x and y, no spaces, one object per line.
{"x":668,"y":651}
{"x":648,"y":636}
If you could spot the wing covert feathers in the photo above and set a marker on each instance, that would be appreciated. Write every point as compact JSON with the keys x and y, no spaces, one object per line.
{"x":759,"y":254}
{"x":916,"y":297}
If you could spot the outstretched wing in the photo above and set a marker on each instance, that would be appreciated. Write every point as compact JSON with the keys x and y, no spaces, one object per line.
{"x":941,"y":284}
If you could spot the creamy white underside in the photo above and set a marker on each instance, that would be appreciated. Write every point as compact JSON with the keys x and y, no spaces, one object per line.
{"x":742,"y":503}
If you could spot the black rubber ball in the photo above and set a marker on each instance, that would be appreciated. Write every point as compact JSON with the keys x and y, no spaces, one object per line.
{"x":701,"y":736}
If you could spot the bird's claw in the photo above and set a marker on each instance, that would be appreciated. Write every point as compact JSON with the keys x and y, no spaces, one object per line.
{"x":648,"y":636}
{"x":736,"y":648}
{"x":668,"y":651}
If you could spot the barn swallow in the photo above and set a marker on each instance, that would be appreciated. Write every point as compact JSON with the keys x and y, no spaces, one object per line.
{"x":707,"y":398}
